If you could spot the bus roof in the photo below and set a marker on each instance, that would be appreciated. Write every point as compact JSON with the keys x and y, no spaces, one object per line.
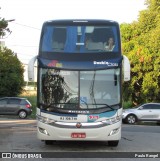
{"x":81,"y":22}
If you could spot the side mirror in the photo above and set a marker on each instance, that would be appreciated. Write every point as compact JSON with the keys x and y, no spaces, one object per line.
{"x":31,"y":69}
{"x":126,"y":66}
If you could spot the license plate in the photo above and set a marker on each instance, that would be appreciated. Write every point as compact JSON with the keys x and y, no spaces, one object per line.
{"x":78,"y":135}
{"x":68,"y":118}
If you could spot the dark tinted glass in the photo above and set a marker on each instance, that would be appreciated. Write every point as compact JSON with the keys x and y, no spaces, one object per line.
{"x":23,"y":102}
{"x":14,"y":101}
{"x":151,"y":106}
{"x":155,"y":106}
{"x":146,"y":107}
{"x":3,"y":101}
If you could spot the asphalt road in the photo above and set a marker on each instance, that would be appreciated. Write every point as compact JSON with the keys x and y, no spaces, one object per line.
{"x":20,"y":136}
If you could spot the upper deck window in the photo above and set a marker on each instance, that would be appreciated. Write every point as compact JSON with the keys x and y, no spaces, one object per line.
{"x":79,"y":39}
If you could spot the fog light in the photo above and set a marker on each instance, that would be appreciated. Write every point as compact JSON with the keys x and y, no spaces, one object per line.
{"x":113,"y":132}
{"x":43,"y":131}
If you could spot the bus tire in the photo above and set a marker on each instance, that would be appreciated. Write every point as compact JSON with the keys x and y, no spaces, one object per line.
{"x":48,"y":142}
{"x":158,"y":123}
{"x":113,"y":143}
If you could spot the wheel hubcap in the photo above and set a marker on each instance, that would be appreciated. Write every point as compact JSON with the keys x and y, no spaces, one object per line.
{"x":131,"y":119}
{"x":22,"y":114}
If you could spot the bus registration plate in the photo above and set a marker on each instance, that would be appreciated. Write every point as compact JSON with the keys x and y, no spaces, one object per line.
{"x":68,"y":118}
{"x":78,"y":135}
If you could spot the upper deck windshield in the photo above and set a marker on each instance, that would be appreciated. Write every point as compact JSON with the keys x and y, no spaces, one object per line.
{"x":79,"y":39}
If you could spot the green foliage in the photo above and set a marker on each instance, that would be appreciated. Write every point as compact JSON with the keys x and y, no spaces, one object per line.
{"x":11,"y":74}
{"x":3,"y":27}
{"x":33,"y":100}
{"x":140,"y":43}
{"x":127,"y":104}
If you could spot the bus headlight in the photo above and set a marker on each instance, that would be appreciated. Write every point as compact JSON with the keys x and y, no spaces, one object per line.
{"x":112,"y":120}
{"x":44,"y":119}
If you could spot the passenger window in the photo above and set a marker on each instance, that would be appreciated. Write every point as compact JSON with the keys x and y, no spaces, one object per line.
{"x":156,"y":107}
{"x":146,"y":107}
{"x":95,"y":46}
{"x":3,"y":101}
{"x":14,"y":101}
{"x":23,"y":102}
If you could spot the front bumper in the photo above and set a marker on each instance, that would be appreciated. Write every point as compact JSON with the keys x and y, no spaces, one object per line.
{"x":95,"y":132}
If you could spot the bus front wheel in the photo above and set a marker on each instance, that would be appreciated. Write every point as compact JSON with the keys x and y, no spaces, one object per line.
{"x":48,"y":142}
{"x":113,"y":143}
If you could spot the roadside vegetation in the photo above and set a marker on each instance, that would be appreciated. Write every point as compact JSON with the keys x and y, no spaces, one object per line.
{"x":11,"y":69}
{"x":32,"y":97}
{"x":11,"y":74}
{"x":141,"y":44}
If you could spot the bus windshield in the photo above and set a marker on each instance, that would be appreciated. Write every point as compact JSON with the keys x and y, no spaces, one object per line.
{"x":79,"y":39}
{"x":79,"y":89}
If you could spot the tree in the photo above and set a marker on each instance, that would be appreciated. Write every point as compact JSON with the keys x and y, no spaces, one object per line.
{"x":11,"y":69}
{"x":140,"y":42}
{"x":3,"y":27}
{"x":11,"y":74}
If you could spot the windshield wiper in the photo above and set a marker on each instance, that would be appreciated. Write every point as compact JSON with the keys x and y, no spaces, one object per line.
{"x":53,"y":105}
{"x":45,"y":106}
{"x":106,"y":105}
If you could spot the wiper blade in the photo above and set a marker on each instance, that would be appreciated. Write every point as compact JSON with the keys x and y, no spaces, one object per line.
{"x":54,"y":105}
{"x":106,"y":105}
{"x":45,"y":106}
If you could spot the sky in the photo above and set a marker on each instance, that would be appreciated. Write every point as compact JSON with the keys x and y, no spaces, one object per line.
{"x":29,"y":16}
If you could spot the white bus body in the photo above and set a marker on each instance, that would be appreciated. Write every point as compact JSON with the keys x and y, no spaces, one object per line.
{"x":79,"y":97}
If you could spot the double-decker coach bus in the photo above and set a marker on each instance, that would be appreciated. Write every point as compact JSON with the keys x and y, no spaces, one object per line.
{"x":79,"y":93}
